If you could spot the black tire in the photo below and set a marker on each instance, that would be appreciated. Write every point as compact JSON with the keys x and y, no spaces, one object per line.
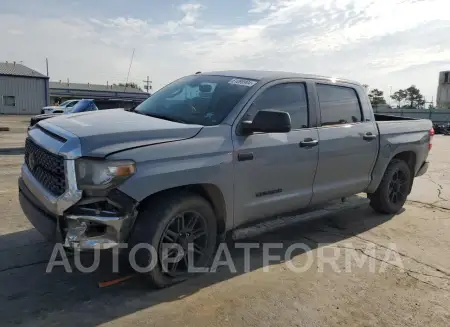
{"x":383,"y":199}
{"x":153,"y":221}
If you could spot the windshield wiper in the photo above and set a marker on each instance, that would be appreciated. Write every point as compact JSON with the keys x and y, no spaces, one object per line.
{"x":161,"y":116}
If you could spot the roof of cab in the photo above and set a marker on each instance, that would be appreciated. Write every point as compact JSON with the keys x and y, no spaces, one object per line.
{"x":273,"y":75}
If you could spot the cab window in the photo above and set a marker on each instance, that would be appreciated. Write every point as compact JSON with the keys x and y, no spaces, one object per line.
{"x":288,"y":97}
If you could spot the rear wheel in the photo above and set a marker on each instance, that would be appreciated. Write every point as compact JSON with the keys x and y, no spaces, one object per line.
{"x":394,"y":188}
{"x":173,"y":226}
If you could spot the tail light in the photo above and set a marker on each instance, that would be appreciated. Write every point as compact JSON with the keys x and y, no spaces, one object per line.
{"x":431,"y":133}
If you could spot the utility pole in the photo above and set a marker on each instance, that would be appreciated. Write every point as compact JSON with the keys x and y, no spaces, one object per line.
{"x":148,"y":84}
{"x":46,"y":85}
{"x":390,"y":95}
{"x":129,"y":68}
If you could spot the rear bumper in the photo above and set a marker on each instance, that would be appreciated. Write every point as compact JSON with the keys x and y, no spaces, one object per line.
{"x":423,"y":169}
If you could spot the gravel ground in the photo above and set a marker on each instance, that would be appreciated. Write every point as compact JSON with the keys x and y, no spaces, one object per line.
{"x":404,"y":282}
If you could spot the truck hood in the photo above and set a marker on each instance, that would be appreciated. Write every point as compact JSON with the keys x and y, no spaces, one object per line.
{"x":35,"y":119}
{"x":106,"y":131}
{"x":45,"y":116}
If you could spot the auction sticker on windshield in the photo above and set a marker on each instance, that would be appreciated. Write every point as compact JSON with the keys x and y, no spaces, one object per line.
{"x":243,"y":82}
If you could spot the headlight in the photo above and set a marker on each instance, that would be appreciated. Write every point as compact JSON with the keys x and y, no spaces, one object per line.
{"x":102,"y":174}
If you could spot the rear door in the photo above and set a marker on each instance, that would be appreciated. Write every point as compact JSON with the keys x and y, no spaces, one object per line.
{"x":274,"y":173}
{"x":348,"y":142}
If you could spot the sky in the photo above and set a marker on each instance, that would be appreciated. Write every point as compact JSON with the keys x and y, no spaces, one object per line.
{"x":387,"y":44}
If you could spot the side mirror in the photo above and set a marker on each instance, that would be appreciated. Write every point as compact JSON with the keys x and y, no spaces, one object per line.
{"x":268,"y":121}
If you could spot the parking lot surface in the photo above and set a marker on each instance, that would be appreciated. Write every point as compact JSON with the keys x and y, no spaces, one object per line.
{"x":408,"y":286}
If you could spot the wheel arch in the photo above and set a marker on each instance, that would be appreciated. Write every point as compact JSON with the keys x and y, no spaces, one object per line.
{"x":408,"y":155}
{"x":209,"y":192}
{"x":411,"y":159}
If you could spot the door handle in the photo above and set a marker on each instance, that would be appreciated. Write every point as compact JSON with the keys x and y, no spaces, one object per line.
{"x":245,"y":156}
{"x":309,"y":143}
{"x":369,"y":136}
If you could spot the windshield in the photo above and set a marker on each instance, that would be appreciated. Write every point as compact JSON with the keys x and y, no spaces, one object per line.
{"x":65,"y":103}
{"x":82,"y":106}
{"x":198,"y":99}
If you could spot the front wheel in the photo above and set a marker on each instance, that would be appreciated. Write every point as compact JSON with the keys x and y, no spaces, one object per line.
{"x":394,"y":188}
{"x":173,"y":226}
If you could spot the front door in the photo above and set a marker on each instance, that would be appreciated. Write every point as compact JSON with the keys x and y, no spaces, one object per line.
{"x":348,"y":144}
{"x":274,"y":173}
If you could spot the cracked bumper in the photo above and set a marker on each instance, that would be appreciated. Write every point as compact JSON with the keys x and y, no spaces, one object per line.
{"x":75,"y":219}
{"x":74,"y":229}
{"x":115,"y":230}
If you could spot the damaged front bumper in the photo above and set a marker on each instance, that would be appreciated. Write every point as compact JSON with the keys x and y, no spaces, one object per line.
{"x":100,"y":222}
{"x":76,"y":219}
{"x":84,"y":224}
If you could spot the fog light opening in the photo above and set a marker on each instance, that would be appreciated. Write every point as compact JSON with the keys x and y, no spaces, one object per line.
{"x":94,"y":229}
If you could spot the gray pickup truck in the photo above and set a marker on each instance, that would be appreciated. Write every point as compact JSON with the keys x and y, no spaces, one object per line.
{"x":212,"y":152}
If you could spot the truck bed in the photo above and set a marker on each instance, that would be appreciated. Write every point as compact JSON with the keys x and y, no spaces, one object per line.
{"x":398,"y":131}
{"x":400,"y":135}
{"x":384,"y":117}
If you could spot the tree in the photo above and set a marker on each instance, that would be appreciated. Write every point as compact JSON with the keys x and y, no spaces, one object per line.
{"x":130,"y":84}
{"x":376,"y":97}
{"x":399,"y":96}
{"x":414,"y":97}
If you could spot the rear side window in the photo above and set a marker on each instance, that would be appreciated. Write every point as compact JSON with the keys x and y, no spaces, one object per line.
{"x":288,"y":97}
{"x":338,"y":105}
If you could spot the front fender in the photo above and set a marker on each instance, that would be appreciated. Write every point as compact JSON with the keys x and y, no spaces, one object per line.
{"x":205,"y":159}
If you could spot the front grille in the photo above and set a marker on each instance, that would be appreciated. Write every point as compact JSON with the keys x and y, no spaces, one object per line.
{"x":46,"y":167}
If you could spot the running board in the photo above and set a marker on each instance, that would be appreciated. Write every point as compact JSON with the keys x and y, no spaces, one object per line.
{"x":284,"y":221}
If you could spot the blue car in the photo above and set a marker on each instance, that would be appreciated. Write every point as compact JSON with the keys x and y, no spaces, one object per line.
{"x":82,"y":106}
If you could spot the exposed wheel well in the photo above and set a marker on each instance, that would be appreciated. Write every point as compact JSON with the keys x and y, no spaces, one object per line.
{"x":208,"y":191}
{"x":409,"y":157}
